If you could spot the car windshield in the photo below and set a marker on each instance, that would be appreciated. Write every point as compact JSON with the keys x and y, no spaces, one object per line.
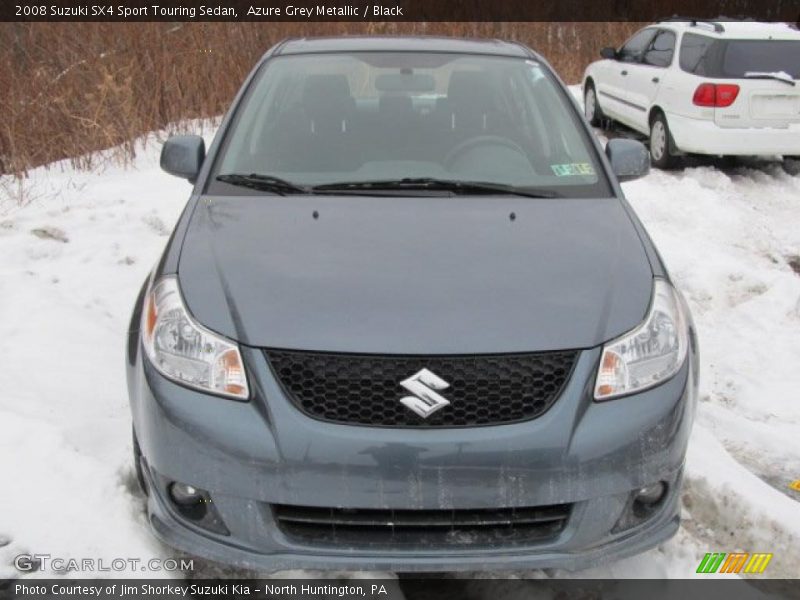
{"x":328,"y":119}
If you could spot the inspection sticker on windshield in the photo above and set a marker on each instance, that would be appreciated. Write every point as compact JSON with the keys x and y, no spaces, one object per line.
{"x":572,"y":169}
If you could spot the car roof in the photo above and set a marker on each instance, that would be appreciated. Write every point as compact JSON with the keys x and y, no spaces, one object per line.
{"x":740,"y":30}
{"x":402,"y":44}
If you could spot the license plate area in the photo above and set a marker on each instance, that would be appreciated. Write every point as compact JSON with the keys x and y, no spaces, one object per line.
{"x":775,"y":106}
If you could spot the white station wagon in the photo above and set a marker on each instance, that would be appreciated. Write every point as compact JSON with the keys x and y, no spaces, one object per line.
{"x":702,"y":87}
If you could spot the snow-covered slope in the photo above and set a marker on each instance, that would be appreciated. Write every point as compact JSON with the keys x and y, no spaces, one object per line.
{"x":65,"y":301}
{"x":73,"y":258}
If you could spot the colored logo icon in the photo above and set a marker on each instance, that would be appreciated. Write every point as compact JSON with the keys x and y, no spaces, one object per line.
{"x":735,"y":562}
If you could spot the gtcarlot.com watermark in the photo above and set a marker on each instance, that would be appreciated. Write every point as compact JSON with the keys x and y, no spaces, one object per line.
{"x":43,"y":562}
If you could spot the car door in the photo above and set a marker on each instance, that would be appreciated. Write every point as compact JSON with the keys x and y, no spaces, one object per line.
{"x":614,"y":94}
{"x":645,"y":78}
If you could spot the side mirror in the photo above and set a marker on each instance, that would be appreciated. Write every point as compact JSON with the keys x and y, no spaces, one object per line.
{"x":629,"y":159}
{"x":183,"y":155}
{"x":609,"y":53}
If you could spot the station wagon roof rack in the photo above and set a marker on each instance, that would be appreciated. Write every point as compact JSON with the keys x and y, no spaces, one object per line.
{"x":718,"y":28}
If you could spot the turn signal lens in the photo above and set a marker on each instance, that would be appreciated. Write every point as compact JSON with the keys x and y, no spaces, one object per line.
{"x":185,"y":351}
{"x":648,"y":355}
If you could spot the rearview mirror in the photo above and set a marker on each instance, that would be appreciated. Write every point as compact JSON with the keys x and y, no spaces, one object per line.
{"x":609,"y":53}
{"x":405,"y":82}
{"x":629,"y":159}
{"x":183,"y":155}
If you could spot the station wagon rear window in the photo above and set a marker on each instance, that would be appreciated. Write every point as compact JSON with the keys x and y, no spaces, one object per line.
{"x":743,"y":56}
{"x":707,"y":57}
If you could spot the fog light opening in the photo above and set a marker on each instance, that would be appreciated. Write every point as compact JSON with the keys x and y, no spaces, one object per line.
{"x":645,"y":502}
{"x":192,"y":505}
{"x":651,"y":494}
{"x":185,"y":494}
{"x":647,"y":499}
{"x":191,"y":502}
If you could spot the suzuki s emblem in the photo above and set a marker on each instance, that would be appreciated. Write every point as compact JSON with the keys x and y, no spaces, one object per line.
{"x":424,"y":385}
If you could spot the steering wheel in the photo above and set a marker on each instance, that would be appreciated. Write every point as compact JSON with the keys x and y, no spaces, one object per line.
{"x":481,"y":140}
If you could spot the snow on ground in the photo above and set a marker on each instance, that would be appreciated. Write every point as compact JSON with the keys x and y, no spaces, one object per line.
{"x":64,"y":307}
{"x":73,"y":257}
{"x":727,"y":238}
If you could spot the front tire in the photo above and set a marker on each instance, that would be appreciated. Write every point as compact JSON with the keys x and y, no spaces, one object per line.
{"x":591,"y":109}
{"x":660,"y":141}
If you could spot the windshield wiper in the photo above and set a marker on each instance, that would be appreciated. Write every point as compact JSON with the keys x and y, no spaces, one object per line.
{"x":777,"y":75}
{"x":283,"y":187}
{"x":266,"y":183}
{"x":455,"y":186}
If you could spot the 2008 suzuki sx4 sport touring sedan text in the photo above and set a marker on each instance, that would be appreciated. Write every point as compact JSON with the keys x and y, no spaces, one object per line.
{"x":408,"y":321}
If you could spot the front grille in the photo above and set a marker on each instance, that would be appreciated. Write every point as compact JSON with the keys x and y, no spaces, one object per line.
{"x":366,"y":390}
{"x":429,"y":528}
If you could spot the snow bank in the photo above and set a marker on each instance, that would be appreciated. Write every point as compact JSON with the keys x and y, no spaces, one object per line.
{"x":65,"y":449}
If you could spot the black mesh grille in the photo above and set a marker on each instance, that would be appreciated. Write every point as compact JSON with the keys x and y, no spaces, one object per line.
{"x":366,"y":390}
{"x":428,"y":528}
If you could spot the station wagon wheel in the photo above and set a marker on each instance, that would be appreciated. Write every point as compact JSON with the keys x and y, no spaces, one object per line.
{"x":660,"y":143}
{"x":591,"y":109}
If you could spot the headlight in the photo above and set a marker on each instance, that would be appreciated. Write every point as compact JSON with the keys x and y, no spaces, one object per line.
{"x":648,"y":355}
{"x":184,"y":350}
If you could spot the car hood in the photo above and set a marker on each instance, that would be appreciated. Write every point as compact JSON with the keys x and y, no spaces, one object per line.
{"x":414,"y":275}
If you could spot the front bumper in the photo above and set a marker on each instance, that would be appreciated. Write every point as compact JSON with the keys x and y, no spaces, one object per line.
{"x":250,"y":455}
{"x":702,"y":136}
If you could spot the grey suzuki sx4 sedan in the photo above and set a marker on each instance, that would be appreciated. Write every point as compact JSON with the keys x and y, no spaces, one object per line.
{"x":408,"y":321}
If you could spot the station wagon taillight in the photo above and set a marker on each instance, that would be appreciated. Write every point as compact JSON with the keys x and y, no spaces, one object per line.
{"x":717,"y":95}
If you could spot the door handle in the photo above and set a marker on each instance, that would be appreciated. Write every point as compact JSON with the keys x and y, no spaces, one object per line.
{"x":655,"y":80}
{"x":624,"y":73}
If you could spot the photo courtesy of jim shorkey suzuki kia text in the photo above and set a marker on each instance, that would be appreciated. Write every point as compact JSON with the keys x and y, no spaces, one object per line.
{"x":162,"y":590}
{"x":399,"y":301}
